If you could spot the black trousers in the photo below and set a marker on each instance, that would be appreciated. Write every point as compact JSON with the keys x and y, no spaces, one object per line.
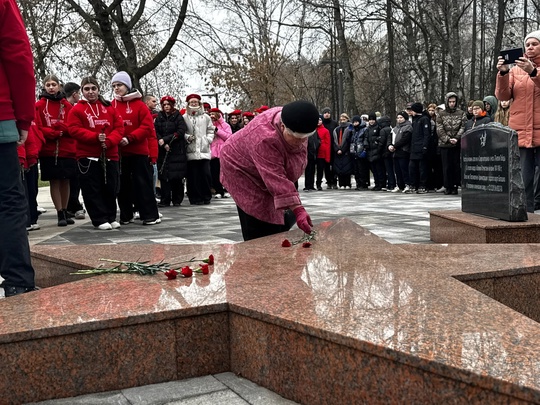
{"x":379,"y":172}
{"x":417,"y":173}
{"x":215,"y":169}
{"x":451,"y":168}
{"x":137,"y":188}
{"x":309,"y":174}
{"x":15,"y":265}
{"x":31,"y":180}
{"x":74,"y":204}
{"x":199,"y":181}
{"x":99,"y":196}
{"x":361,"y":172}
{"x":172,"y":190}
{"x":323,"y":168}
{"x":253,"y":228}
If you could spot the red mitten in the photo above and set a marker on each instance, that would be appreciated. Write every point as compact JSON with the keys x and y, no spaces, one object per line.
{"x":303,"y":219}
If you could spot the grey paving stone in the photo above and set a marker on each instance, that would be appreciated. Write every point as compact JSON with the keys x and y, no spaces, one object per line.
{"x":226,"y":397}
{"x":251,"y":392}
{"x":106,"y":398}
{"x":173,"y":391}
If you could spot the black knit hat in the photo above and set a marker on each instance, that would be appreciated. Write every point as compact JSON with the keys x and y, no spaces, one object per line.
{"x":326,"y":110}
{"x":372,"y":116}
{"x":300,"y":116}
{"x":356,"y":118}
{"x":404,"y":114}
{"x":417,"y":108}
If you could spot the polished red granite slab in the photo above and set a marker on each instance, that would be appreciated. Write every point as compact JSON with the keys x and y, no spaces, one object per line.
{"x":454,"y":226}
{"x":388,"y":309}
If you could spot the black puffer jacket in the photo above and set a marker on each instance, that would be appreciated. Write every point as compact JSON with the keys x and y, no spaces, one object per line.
{"x":172,"y":129}
{"x":402,"y":141}
{"x":374,"y":143}
{"x":386,"y":133}
{"x":421,"y":132}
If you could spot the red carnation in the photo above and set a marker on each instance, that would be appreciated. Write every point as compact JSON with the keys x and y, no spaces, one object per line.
{"x":171,"y":274}
{"x":210,"y":260}
{"x":204,"y":268}
{"x":187,"y":272}
{"x":286,"y":243}
{"x":306,"y":244}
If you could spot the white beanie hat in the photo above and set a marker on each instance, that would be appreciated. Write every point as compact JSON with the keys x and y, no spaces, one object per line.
{"x":534,"y":34}
{"x":122,"y":77}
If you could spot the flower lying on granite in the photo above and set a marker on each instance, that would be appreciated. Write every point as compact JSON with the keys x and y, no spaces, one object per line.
{"x":186,"y":271}
{"x":304,"y":240}
{"x":171,"y":274}
{"x":202,"y":269}
{"x":146,"y":268}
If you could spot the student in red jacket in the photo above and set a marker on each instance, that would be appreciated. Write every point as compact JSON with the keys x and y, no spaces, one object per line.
{"x":323,"y":155}
{"x":16,"y":115}
{"x":98,"y":129}
{"x":136,"y":186}
{"x":57,"y":156}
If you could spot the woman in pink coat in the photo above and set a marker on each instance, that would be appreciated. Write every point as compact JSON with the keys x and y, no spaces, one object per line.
{"x":260,"y":164}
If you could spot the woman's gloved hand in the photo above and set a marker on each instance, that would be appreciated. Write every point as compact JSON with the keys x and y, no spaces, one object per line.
{"x":303,"y":219}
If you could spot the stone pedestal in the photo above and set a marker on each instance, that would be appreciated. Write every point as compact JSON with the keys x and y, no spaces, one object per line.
{"x":455,"y":226}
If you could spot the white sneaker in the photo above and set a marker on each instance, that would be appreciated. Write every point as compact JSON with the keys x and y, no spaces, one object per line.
{"x":41,"y":209}
{"x":81,"y":214}
{"x":226,"y":195}
{"x":160,"y":214}
{"x":406,"y":189}
{"x":33,"y":227}
{"x":154,"y":222}
{"x":441,"y":190}
{"x":395,"y":189}
{"x":136,"y":215}
{"x":217,"y":196}
{"x":115,"y":225}
{"x":104,"y":227}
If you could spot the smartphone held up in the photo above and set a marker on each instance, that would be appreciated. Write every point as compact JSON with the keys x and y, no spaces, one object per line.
{"x":511,"y":55}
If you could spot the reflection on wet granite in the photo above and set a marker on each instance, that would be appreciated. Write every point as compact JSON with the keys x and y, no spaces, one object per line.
{"x":384,"y":322}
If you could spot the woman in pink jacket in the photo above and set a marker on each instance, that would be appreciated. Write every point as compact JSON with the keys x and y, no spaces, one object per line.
{"x":522,"y":83}
{"x":260,"y":164}
{"x":222,"y":132}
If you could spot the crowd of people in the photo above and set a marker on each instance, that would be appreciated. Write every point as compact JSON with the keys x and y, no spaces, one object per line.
{"x":420,"y":153}
{"x":122,"y":153}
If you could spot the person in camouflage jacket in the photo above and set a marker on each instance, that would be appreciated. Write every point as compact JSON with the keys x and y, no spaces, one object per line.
{"x":450,"y":127}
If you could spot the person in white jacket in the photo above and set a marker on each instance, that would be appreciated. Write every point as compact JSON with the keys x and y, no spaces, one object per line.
{"x":199,"y":136}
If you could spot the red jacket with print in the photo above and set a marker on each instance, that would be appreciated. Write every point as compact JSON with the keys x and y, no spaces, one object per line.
{"x":87,"y":120}
{"x":138,"y":124}
{"x":51,"y":118}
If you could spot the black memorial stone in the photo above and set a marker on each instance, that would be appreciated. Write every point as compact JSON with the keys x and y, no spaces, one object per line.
{"x":491,"y":181}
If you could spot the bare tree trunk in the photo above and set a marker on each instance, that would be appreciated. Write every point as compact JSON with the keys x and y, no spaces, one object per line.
{"x":501,"y":7}
{"x":101,"y":23}
{"x":390,"y":105}
{"x":348,"y":79}
{"x":472,"y":92}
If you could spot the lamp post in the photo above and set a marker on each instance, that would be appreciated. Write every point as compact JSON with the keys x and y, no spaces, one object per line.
{"x":340,"y":81}
{"x":213,"y":95}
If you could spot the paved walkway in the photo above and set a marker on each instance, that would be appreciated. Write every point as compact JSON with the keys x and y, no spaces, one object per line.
{"x":396,"y":217}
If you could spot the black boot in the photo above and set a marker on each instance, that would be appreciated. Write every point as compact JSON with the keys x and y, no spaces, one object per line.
{"x":68,"y":219}
{"x":61,"y":218}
